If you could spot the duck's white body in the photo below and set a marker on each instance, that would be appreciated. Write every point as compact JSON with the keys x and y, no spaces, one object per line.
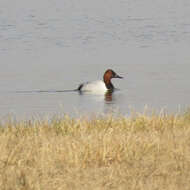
{"x":94,"y":87}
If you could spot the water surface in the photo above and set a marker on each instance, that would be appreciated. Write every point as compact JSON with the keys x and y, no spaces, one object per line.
{"x":56,"y":45}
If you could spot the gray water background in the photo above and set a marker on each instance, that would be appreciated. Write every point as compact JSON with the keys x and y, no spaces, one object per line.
{"x":58,"y":44}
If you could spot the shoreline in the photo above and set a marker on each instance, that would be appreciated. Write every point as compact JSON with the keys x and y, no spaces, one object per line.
{"x":140,"y":152}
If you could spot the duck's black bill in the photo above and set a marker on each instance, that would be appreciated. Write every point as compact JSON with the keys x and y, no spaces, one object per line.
{"x":117,"y":76}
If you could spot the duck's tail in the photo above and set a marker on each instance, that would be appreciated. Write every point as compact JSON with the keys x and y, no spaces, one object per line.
{"x":79,"y":88}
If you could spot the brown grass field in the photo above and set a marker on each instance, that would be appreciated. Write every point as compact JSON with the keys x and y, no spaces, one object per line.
{"x":139,"y":152}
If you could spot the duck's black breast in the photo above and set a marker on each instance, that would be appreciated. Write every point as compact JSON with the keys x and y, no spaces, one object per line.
{"x":109,"y":86}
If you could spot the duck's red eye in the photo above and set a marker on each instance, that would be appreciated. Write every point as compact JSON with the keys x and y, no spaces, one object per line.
{"x":113,"y":73}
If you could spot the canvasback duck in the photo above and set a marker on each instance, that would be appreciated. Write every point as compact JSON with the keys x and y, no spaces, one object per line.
{"x":100,"y":86}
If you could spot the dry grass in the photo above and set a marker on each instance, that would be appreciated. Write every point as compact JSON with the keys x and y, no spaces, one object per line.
{"x":142,"y":152}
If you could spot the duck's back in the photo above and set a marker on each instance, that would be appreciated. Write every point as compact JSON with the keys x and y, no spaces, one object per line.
{"x":95,"y":86}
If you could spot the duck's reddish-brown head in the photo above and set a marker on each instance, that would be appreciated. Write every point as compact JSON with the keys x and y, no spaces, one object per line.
{"x":108,"y":75}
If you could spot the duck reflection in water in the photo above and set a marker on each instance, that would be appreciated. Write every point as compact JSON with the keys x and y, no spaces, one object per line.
{"x":108,"y":96}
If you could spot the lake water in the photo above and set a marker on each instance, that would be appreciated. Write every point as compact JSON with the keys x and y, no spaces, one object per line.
{"x":55,"y":45}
